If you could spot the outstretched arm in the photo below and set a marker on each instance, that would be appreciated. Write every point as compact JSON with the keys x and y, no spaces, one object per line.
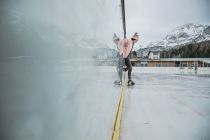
{"x":115,"y":39}
{"x":135,"y":37}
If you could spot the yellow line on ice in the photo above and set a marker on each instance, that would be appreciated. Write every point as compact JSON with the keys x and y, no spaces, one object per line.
{"x":117,"y":123}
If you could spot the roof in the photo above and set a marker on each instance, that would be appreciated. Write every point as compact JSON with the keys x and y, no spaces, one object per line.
{"x":206,"y":60}
{"x":152,"y":51}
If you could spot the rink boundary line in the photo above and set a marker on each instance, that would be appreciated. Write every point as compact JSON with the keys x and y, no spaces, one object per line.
{"x":117,"y":122}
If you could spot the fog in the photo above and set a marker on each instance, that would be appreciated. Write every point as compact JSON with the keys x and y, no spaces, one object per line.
{"x":57,"y":29}
{"x":56,"y":102}
{"x":50,"y":88}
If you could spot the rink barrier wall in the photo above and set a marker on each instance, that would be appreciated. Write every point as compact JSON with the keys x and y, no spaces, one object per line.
{"x":161,"y":70}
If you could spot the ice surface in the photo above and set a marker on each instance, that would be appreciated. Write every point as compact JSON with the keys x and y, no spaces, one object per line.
{"x":47,"y":91}
{"x":75,"y":102}
{"x":56,"y":102}
{"x":167,"y":107}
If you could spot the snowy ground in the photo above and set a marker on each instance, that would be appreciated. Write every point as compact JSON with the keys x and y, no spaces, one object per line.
{"x":69,"y":102}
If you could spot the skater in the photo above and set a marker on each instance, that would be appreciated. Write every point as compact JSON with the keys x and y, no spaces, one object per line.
{"x":125,"y":47}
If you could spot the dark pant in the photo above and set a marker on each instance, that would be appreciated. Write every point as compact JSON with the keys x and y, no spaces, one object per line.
{"x":121,"y":63}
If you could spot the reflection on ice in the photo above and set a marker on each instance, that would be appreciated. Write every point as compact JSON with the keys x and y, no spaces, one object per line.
{"x":64,"y":101}
{"x":56,"y":102}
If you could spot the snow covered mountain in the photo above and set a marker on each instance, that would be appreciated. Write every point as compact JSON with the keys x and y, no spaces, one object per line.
{"x":136,"y":48}
{"x":25,"y":37}
{"x":98,"y":49}
{"x":182,"y":35}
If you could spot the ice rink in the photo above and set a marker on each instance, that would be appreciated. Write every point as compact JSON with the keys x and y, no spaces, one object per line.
{"x":167,"y":107}
{"x":71,"y":102}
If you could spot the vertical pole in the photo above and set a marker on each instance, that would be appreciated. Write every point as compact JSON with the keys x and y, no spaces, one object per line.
{"x":123,"y":18}
{"x":124,"y":27}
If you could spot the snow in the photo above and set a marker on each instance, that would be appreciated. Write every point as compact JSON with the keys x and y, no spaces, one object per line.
{"x":182,"y":35}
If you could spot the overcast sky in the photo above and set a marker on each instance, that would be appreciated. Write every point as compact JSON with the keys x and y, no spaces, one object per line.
{"x":153,"y":19}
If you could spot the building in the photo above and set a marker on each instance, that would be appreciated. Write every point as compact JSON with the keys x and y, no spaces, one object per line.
{"x":171,"y":62}
{"x":154,"y":55}
{"x":153,"y":60}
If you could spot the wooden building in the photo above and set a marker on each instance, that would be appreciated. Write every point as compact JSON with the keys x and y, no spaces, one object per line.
{"x":171,"y":62}
{"x":154,"y":55}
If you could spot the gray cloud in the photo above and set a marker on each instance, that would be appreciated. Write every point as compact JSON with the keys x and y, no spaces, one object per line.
{"x":153,"y":19}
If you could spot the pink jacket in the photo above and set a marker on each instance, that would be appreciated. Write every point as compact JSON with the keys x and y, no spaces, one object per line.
{"x":125,"y":46}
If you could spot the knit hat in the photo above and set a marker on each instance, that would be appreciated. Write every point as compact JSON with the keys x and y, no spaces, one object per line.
{"x":135,"y":37}
{"x":115,"y":38}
